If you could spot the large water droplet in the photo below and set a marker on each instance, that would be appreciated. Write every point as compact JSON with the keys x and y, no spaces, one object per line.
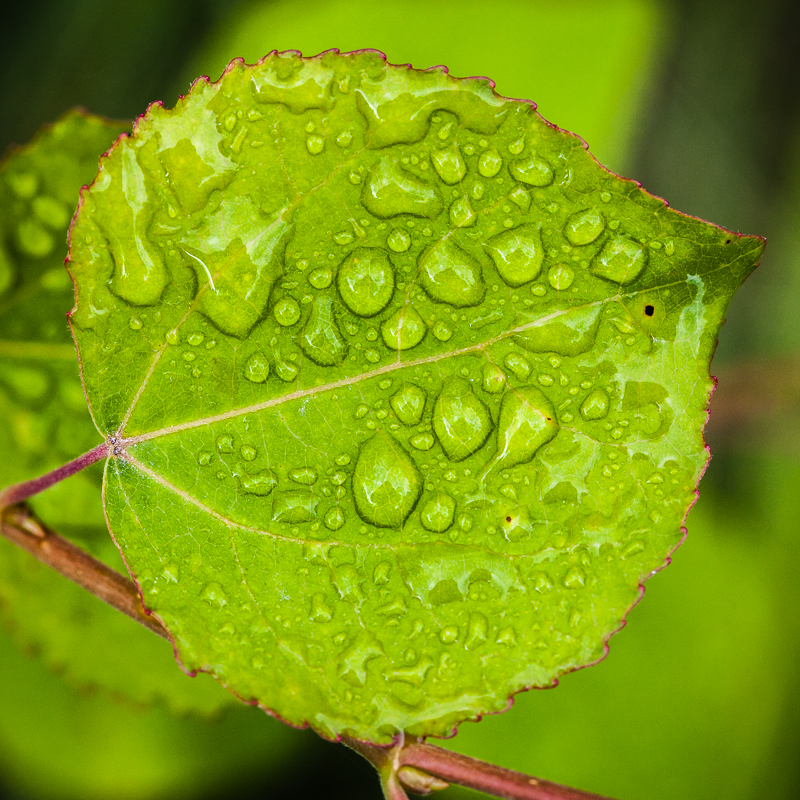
{"x":527,"y":421}
{"x":404,"y":329}
{"x":389,"y":191}
{"x":256,"y":369}
{"x":533,"y":170}
{"x":595,"y":406}
{"x":561,"y":276}
{"x":449,"y":165}
{"x":517,"y":254}
{"x":437,"y":514}
{"x":461,"y":421}
{"x":386,"y":483}
{"x":398,"y":240}
{"x":315,"y":144}
{"x":305,"y":475}
{"x":408,"y":404}
{"x":451,"y":275}
{"x":461,"y":213}
{"x":490,"y":163}
{"x":366,"y":281}
{"x":320,"y":278}
{"x":294,"y":507}
{"x":584,"y":227}
{"x":569,"y":334}
{"x":621,"y":260}
{"x":322,"y":340}
{"x":261,"y":483}
{"x":286,"y":311}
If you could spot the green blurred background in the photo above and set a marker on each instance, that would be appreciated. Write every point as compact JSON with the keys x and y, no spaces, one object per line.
{"x":698,"y":100}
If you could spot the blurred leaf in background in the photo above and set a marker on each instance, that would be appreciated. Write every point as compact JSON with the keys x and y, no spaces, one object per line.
{"x":698,"y":99}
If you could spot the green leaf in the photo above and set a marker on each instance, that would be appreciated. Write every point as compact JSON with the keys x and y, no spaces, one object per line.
{"x":405,"y":391}
{"x":44,"y":421}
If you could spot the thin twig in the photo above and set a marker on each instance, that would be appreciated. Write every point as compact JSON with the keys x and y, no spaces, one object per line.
{"x":414,"y":765}
{"x":18,"y":525}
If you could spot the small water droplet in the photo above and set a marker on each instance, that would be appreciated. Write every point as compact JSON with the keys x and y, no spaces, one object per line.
{"x":398,"y":241}
{"x":366,"y":281}
{"x":422,"y":441}
{"x":545,"y":379}
{"x":305,"y":475}
{"x":408,"y":404}
{"x":320,"y":610}
{"x":451,"y":275}
{"x":188,"y":355}
{"x":605,"y":197}
{"x":334,"y":518}
{"x":461,"y":213}
{"x":669,"y":247}
{"x":449,"y":165}
{"x":260,"y":483}
{"x":321,"y":278}
{"x":584,"y":227}
{"x":315,"y":144}
{"x":135,"y":324}
{"x":390,"y":191}
{"x":247,"y":452}
{"x":595,"y":406}
{"x":507,"y":637}
{"x":322,"y":341}
{"x":493,"y":379}
{"x":448,"y":634}
{"x":517,"y":364}
{"x":256,"y":369}
{"x":172,"y":337}
{"x":621,"y":260}
{"x":344,"y":139}
{"x":225,"y":443}
{"x":204,"y":458}
{"x":517,"y":254}
{"x":404,"y":329}
{"x":561,"y":276}
{"x":533,"y":170}
{"x":575,"y":577}
{"x":215,"y":594}
{"x":437,"y":513}
{"x":490,"y":163}
{"x":442,"y":331}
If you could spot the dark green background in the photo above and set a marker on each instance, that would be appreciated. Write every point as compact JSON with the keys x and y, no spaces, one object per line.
{"x":700,"y":696}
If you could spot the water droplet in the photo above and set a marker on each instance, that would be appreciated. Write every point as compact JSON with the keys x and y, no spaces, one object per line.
{"x":442,"y":331}
{"x":605,"y":197}
{"x":517,"y":254}
{"x":320,"y":278}
{"x":461,"y":213}
{"x":460,"y":420}
{"x":490,"y":163}
{"x":390,"y":191}
{"x":408,"y":404}
{"x":315,"y":144}
{"x":256,"y":369}
{"x":584,"y":227}
{"x":305,"y":475}
{"x":595,"y":406}
{"x":366,"y":281}
{"x":449,"y":165}
{"x":533,"y":170}
{"x":517,"y":364}
{"x":344,"y":139}
{"x":398,"y":241}
{"x":493,"y":379}
{"x":285,"y":370}
{"x":477,"y":630}
{"x":343,"y":237}
{"x":448,"y":634}
{"x":247,"y":452}
{"x":507,"y":637}
{"x":437,"y":513}
{"x":322,"y":340}
{"x":404,"y":329}
{"x":422,"y":441}
{"x":225,"y":443}
{"x":521,"y":198}
{"x":575,"y":577}
{"x":135,"y":324}
{"x":451,"y":275}
{"x":204,"y":458}
{"x":561,"y":276}
{"x":172,"y":337}
{"x":669,"y":247}
{"x":621,"y":260}
{"x":320,"y":610}
{"x":539,"y":290}
{"x":445,"y":131}
{"x":294,"y":507}
{"x":286,"y":311}
{"x":51,"y":212}
{"x":386,"y":483}
{"x":33,"y":239}
{"x":569,"y":334}
{"x":334,"y":518}
{"x":372,"y":356}
{"x":260,"y":483}
{"x":215,"y":594}
{"x":527,"y":421}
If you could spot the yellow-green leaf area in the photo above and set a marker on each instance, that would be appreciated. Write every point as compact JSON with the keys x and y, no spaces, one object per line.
{"x":491,"y":352}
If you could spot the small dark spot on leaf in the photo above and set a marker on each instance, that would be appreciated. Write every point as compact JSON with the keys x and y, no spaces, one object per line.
{"x":508,"y":519}
{"x":649,"y":310}
{"x":728,"y":241}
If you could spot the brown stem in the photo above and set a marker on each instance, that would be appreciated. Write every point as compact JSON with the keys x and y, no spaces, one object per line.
{"x":18,"y":525}
{"x":422,"y":768}
{"x":22,"y":491}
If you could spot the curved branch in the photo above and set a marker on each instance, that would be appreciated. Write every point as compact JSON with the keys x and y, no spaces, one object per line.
{"x":20,"y":526}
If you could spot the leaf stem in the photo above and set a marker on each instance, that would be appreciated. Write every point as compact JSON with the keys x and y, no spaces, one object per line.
{"x":444,"y":767}
{"x":18,"y":525}
{"x":22,"y":491}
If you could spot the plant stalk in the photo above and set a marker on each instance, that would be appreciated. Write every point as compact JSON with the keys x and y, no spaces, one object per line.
{"x":20,"y":526}
{"x":22,"y":491}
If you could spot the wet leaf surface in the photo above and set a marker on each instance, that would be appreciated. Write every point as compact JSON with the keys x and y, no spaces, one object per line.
{"x":406,"y":391}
